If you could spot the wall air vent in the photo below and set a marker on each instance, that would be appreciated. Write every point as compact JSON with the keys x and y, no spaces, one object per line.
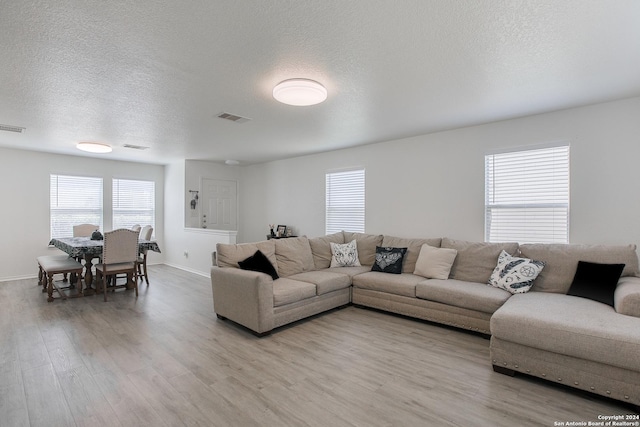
{"x":233,"y":117}
{"x":135,"y":147}
{"x":10,"y":128}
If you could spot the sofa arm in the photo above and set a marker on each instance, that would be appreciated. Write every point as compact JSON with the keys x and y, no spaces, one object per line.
{"x":245,"y":297}
{"x":627,"y":296}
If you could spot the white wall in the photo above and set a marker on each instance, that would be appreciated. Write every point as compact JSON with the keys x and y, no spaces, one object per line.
{"x":24,"y":195}
{"x":433,"y":185}
{"x":197,"y":243}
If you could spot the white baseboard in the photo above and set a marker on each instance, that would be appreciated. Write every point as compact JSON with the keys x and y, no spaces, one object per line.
{"x":10,"y":279}
{"x":190,"y":270}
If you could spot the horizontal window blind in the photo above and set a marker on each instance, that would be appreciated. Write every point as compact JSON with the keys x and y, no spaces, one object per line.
{"x":527,"y":196}
{"x":74,"y":200}
{"x":134,"y":202}
{"x":345,"y":201}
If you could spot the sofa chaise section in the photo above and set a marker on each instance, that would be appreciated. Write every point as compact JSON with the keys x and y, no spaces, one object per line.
{"x":569,"y":340}
{"x":572,"y":340}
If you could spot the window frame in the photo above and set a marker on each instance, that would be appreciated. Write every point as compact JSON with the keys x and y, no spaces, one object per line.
{"x":551,"y":171}
{"x":116,"y":209}
{"x":81,"y":195}
{"x":335,"y":209}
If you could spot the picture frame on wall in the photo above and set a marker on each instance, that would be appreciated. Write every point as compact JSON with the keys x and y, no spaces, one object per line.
{"x":281,"y":231}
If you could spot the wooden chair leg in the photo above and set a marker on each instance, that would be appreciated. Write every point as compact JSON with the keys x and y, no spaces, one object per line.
{"x":135,"y":282}
{"x":146,"y":276}
{"x":104,"y":286}
{"x":42,"y":279}
{"x":50,"y":287}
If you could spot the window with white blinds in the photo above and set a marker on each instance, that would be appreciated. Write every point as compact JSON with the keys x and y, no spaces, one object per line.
{"x":345,"y":201}
{"x":527,"y":196}
{"x":134,"y":202}
{"x":74,"y":200}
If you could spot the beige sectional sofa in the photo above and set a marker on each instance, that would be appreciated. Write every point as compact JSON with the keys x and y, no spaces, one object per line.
{"x":544,"y":332}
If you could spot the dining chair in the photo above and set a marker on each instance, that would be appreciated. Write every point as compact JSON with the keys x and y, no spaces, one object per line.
{"x":84,"y":230}
{"x":119,"y":255}
{"x":136,"y":228}
{"x":145,"y":234}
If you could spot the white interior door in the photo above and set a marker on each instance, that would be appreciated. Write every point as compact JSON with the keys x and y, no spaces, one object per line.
{"x":219,"y":204}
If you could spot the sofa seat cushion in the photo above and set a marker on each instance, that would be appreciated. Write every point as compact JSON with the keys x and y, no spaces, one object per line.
{"x":398,"y":284}
{"x":571,"y":326}
{"x":324,"y":280}
{"x":287,"y":291}
{"x":351,"y":271}
{"x":561,"y":262}
{"x":458,"y":293}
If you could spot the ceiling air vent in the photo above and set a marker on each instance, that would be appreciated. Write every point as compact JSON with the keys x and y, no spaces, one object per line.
{"x":233,"y":117}
{"x":135,"y":147}
{"x":10,"y":128}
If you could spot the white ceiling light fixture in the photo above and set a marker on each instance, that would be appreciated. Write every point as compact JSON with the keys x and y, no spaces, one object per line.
{"x":300,"y":92}
{"x":231,"y":162}
{"x":94,"y":147}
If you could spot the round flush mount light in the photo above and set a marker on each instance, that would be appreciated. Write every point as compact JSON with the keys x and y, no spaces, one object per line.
{"x":300,"y":92}
{"x":94,"y":147}
{"x":231,"y":162}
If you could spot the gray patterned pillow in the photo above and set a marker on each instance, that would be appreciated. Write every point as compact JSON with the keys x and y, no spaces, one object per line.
{"x":344,"y":255}
{"x":515,"y":275}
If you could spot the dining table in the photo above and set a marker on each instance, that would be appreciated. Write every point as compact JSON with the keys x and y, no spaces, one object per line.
{"x":88,"y":249}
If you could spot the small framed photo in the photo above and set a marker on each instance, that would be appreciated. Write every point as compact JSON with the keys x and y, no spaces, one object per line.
{"x":281,"y":231}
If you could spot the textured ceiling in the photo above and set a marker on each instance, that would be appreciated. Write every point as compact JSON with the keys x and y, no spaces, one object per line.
{"x":157,"y":74}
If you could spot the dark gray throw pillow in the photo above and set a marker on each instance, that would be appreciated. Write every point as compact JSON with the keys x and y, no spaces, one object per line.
{"x":389,"y":260}
{"x":259,"y":262}
{"x":596,"y":281}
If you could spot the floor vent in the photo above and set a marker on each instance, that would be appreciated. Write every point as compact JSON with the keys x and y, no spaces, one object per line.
{"x":10,"y":128}
{"x":233,"y":117}
{"x":135,"y":147}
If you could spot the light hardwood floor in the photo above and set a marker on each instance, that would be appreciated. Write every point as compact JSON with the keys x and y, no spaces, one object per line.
{"x":164,"y":359}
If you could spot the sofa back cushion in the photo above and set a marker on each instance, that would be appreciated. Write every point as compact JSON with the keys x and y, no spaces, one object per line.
{"x":561,"y":262}
{"x":321,"y":249}
{"x":476,"y":260}
{"x":366,"y":245}
{"x":413,"y":249}
{"x":229,"y":255}
{"x":293,"y":256}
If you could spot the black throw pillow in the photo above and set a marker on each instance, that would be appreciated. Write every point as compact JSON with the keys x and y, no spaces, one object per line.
{"x":389,"y":260}
{"x":596,"y":281}
{"x":259,"y":262}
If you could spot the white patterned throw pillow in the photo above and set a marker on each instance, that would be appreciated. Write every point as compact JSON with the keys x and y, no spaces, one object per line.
{"x":344,"y":255}
{"x":514,"y":274}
